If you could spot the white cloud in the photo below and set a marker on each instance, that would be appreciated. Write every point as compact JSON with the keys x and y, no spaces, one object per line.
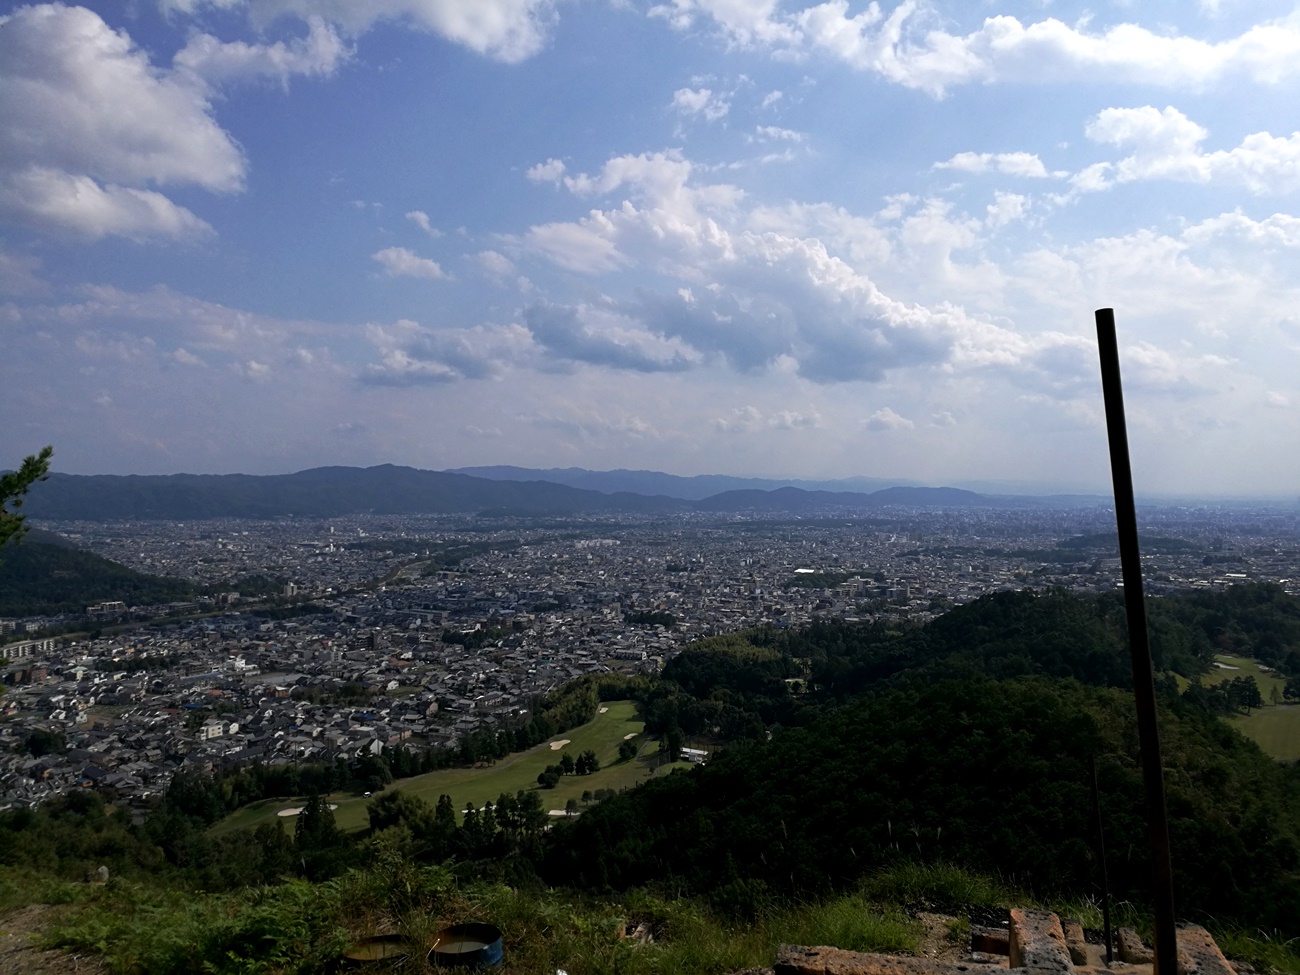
{"x":777,"y":134}
{"x":1024,"y":164}
{"x":1276,"y":400}
{"x":1006,"y":208}
{"x":400,"y":262}
{"x":605,"y":337}
{"x":187,"y":358}
{"x":901,"y":47}
{"x":547,"y":172}
{"x":495,"y":264}
{"x":421,"y":220}
{"x":416,"y":355}
{"x":1166,"y":144}
{"x":743,"y":22}
{"x":702,"y":102}
{"x":88,"y":125}
{"x":507,"y":30}
{"x":56,"y":200}
{"x":753,"y":289}
{"x":319,"y":53}
{"x":886,"y":419}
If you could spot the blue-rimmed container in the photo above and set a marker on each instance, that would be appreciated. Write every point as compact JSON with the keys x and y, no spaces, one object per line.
{"x":473,"y":945}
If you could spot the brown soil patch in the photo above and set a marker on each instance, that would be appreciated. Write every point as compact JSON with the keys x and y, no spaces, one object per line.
{"x":937,"y":944}
{"x":20,"y":953}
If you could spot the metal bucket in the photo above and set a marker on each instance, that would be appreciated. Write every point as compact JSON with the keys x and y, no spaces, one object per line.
{"x":473,"y":945}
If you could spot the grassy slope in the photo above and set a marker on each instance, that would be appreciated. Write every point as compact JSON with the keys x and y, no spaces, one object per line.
{"x":1266,"y":679}
{"x":1274,"y":729}
{"x":484,"y":784}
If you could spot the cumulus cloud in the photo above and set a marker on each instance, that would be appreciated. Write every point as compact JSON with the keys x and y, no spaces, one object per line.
{"x":52,"y":199}
{"x":319,"y":53}
{"x":702,"y":103}
{"x":1166,"y":144}
{"x":421,"y":220}
{"x":507,"y":30}
{"x":758,"y":289}
{"x":750,"y":419}
{"x":400,"y":262}
{"x":1025,"y":164}
{"x":774,"y":133}
{"x":548,"y":172}
{"x":901,"y":47}
{"x":495,"y":263}
{"x":886,"y":419}
{"x":1006,"y":208}
{"x":416,"y":355}
{"x":602,"y":337}
{"x":88,"y":126}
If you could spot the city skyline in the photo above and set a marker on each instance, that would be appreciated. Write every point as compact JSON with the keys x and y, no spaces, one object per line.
{"x":745,"y":237}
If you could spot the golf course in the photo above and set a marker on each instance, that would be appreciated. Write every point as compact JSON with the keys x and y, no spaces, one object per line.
{"x":615,"y":722}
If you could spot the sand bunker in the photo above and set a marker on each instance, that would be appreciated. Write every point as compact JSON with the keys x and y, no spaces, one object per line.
{"x":603,"y":710}
{"x":557,"y":745}
{"x":294,"y":810}
{"x":631,"y":735}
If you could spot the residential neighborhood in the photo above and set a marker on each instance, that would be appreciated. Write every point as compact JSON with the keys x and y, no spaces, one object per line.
{"x":374,"y":632}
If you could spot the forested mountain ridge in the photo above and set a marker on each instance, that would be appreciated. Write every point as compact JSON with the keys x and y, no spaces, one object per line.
{"x":326,"y":492}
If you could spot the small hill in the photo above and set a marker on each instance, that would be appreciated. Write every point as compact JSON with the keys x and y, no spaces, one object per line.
{"x":43,"y":579}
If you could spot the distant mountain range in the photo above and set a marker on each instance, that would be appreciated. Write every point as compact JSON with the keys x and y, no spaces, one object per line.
{"x":672,"y":485}
{"x":326,"y":492}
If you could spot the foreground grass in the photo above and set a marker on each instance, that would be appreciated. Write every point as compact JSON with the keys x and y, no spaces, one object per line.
{"x":603,"y":734}
{"x":299,"y":928}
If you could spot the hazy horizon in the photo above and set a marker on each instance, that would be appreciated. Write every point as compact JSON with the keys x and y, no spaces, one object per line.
{"x":692,"y":236}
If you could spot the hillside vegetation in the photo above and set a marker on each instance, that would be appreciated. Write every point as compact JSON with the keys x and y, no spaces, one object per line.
{"x":845,"y":752}
{"x":40,"y":579}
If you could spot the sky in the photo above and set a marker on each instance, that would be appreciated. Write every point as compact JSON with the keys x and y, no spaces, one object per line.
{"x":754,"y":237}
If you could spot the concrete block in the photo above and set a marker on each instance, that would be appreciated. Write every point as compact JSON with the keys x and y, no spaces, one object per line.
{"x":1198,"y":954}
{"x":1037,"y":943}
{"x":1074,"y":942}
{"x":1130,"y":948}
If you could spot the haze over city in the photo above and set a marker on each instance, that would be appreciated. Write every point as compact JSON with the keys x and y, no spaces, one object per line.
{"x":745,"y":237}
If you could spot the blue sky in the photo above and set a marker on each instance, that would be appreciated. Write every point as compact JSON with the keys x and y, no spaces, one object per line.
{"x":767,"y":237}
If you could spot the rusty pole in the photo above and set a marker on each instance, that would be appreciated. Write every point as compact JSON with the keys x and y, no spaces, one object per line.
{"x":1144,"y":681}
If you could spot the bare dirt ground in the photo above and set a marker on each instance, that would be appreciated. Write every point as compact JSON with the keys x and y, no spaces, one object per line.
{"x":20,"y":955}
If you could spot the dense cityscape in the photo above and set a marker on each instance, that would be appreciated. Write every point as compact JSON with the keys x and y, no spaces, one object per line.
{"x":373,"y":632}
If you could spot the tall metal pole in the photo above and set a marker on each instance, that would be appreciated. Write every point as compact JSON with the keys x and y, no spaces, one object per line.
{"x":1144,"y":679}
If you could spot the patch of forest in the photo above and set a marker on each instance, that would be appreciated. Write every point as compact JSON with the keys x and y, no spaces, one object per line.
{"x":38,"y":579}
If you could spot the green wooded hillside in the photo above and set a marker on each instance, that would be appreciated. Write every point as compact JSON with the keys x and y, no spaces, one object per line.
{"x":40,"y":579}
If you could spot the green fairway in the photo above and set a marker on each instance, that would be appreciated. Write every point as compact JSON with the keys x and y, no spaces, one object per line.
{"x":1267,"y":680}
{"x":1274,"y":729}
{"x":603,"y":735}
